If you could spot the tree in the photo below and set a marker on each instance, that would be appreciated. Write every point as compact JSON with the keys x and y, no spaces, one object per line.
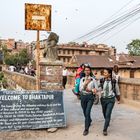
{"x":134,"y":47}
{"x":21,"y":58}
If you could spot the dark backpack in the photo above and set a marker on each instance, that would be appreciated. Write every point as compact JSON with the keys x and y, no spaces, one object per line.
{"x":82,"y":74}
{"x":113,"y":82}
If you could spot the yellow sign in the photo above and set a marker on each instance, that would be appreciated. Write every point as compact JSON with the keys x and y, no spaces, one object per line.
{"x":37,"y":17}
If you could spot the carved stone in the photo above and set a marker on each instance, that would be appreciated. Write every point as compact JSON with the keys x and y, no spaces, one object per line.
{"x":50,"y":51}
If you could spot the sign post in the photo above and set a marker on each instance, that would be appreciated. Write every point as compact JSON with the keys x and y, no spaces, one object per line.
{"x":37,"y":17}
{"x":37,"y":62}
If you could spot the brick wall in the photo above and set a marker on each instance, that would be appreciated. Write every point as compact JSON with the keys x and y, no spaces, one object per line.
{"x":16,"y":80}
{"x":130,"y":91}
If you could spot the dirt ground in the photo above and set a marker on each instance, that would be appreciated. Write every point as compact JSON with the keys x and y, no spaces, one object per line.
{"x":125,"y":124}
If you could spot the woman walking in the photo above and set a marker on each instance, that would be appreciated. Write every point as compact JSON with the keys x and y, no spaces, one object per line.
{"x":88,"y":90}
{"x":107,"y":97}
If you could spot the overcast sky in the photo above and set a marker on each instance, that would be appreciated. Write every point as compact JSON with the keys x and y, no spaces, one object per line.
{"x":70,"y":20}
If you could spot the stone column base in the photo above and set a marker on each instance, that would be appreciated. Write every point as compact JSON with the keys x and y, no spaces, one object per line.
{"x":51,"y":75}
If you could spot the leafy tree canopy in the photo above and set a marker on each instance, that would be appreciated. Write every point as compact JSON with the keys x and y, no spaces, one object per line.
{"x":134,"y":47}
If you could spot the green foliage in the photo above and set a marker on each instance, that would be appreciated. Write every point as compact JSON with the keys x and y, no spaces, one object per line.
{"x":33,"y":63}
{"x":1,"y":75}
{"x":9,"y":60}
{"x":134,"y":47}
{"x":4,"y":49}
{"x":4,"y":83}
{"x":3,"y":80}
{"x":21,"y":58}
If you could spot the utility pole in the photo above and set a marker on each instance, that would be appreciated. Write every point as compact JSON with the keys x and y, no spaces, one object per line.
{"x":37,"y":62}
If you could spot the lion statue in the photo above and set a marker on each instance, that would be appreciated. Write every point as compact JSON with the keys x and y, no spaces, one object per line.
{"x":50,"y":51}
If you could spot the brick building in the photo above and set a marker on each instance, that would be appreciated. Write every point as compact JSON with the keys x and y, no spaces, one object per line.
{"x":129,"y":66}
{"x":67,"y":51}
{"x":13,"y":46}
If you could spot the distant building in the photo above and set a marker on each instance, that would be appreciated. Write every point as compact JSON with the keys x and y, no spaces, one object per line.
{"x":12,"y":45}
{"x":129,"y":65}
{"x":67,"y":51}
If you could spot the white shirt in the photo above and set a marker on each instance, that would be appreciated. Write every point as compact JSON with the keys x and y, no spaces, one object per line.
{"x":65,"y":72}
{"x":92,"y":84}
{"x":12,"y":68}
{"x":115,"y":76}
{"x":26,"y":70}
{"x":110,"y":93}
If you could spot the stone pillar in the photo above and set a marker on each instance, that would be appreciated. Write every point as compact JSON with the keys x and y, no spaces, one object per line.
{"x":51,"y":78}
{"x":51,"y":75}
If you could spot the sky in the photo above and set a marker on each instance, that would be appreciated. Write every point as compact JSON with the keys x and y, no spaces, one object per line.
{"x":70,"y":20}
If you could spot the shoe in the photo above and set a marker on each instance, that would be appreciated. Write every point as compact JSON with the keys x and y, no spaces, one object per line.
{"x":105,"y":132}
{"x":85,"y":132}
{"x":74,"y":92}
{"x":78,"y":97}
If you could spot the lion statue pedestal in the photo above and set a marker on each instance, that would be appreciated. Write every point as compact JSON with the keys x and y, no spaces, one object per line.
{"x":50,"y":66}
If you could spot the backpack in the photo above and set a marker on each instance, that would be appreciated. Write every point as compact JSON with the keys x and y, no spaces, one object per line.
{"x":82,"y":74}
{"x":113,"y":82}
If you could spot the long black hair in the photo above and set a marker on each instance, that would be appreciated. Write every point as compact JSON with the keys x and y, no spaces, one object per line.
{"x":88,"y":66}
{"x":113,"y":81}
{"x":109,"y":70}
{"x":116,"y":68}
{"x":82,"y":65}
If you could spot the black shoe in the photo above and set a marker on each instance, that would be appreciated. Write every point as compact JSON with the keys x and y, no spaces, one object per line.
{"x":85,"y":132}
{"x":78,"y":97}
{"x":105,"y":132}
{"x":74,"y":92}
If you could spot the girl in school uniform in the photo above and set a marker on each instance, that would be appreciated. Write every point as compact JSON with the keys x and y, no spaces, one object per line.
{"x":107,"y":97}
{"x":88,"y":89}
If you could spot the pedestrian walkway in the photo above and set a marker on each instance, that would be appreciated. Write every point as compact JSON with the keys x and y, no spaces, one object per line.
{"x":125,"y":123}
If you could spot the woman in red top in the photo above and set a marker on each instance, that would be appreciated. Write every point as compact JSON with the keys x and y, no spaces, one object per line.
{"x":77,"y":79}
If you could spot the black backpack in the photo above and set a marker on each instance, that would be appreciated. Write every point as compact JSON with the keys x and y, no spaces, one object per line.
{"x":82,"y":74}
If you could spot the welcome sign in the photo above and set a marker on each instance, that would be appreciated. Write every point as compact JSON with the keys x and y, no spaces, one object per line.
{"x":31,"y":110}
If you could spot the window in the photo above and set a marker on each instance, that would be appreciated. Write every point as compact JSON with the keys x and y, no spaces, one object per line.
{"x":80,"y":52}
{"x":72,"y":51}
{"x":86,"y":52}
{"x":59,"y":51}
{"x":68,"y":59}
{"x":131,"y":73}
